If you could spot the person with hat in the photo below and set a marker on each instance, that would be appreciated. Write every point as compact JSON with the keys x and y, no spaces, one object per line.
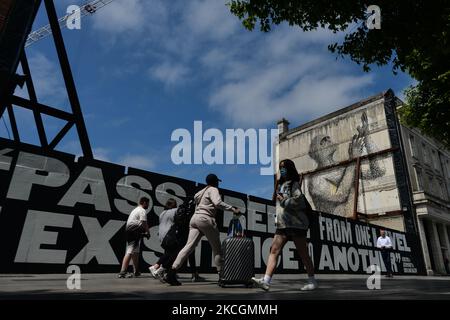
{"x":203,"y":223}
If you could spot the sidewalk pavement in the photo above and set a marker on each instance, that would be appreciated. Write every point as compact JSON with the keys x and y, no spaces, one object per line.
{"x":284,"y":287}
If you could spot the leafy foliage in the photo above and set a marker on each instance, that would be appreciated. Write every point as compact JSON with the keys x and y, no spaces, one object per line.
{"x":414,"y":37}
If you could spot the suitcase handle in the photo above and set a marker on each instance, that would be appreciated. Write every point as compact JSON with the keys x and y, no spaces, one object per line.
{"x":235,"y":228}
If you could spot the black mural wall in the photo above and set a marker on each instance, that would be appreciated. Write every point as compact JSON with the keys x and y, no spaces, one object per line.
{"x":56,"y":212}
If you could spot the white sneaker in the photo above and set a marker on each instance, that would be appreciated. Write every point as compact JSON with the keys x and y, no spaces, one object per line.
{"x":260,"y":283}
{"x":160,"y":274}
{"x":311,"y":285}
{"x":153,"y":271}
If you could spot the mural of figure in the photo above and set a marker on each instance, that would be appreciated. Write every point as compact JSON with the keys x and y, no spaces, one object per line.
{"x":332,"y":190}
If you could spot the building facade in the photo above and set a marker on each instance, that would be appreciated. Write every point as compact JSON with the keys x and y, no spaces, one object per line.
{"x":360,"y":163}
{"x":429,"y":171}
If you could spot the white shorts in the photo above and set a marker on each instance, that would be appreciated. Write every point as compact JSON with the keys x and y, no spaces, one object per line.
{"x":133,"y":247}
{"x":133,"y":242}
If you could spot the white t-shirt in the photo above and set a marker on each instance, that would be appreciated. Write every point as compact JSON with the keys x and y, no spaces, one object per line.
{"x":384,"y":242}
{"x":136,"y":218}
{"x":166,"y":220}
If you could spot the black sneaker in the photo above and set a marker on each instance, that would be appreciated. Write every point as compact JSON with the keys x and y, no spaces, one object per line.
{"x":137,"y":274}
{"x":171,"y":278}
{"x":122,"y":274}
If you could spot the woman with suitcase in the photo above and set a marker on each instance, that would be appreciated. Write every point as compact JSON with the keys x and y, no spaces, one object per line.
{"x":292,"y":223}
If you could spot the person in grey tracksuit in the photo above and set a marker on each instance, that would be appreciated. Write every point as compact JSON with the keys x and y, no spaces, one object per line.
{"x":203,"y":222}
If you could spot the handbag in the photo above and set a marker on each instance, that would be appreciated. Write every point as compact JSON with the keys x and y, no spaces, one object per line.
{"x":302,"y":204}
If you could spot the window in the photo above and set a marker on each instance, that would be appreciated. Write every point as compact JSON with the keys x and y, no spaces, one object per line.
{"x":430,"y":184}
{"x":435,"y":159}
{"x":419,"y":183}
{"x":425,"y":154}
{"x":442,"y":191}
{"x":412,"y":146}
{"x":448,"y":169}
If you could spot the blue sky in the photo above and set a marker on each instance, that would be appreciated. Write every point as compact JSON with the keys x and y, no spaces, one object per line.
{"x":144,"y":68}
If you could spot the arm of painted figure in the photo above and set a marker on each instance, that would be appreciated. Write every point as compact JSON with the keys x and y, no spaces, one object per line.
{"x":343,"y":183}
{"x":375,"y":171}
{"x":333,"y":190}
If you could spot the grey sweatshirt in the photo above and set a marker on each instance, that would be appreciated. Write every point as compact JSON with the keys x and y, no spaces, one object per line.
{"x":208,"y":200}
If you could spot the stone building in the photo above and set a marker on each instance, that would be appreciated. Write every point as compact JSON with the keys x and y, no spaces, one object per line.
{"x":429,"y":171}
{"x":359,"y":162}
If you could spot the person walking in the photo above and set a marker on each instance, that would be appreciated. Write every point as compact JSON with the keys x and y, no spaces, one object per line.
{"x":203,"y":222}
{"x":166,"y":221}
{"x":384,"y":243}
{"x":136,"y":227}
{"x":291,"y":224}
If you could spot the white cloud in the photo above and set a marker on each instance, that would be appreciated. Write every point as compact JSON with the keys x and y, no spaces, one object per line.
{"x":288,"y":75}
{"x":102,"y":154}
{"x":116,"y":123}
{"x":137,"y":161}
{"x":253,"y":78}
{"x":106,"y":154}
{"x":121,"y":16}
{"x":47,"y":80}
{"x":209,"y":19}
{"x":169,"y":74}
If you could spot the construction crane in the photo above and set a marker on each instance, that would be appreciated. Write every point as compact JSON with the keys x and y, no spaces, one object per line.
{"x":88,"y":8}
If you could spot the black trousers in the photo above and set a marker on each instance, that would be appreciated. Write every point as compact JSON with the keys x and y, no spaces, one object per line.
{"x":169,"y":256}
{"x":386,"y":254}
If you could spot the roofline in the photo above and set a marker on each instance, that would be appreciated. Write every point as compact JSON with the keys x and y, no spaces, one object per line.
{"x":338,"y":112}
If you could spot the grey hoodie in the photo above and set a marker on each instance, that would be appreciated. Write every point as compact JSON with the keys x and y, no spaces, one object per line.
{"x":288,"y":214}
{"x":208,"y":200}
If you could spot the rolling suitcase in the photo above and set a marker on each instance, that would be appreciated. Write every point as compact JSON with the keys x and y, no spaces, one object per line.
{"x":239,"y":257}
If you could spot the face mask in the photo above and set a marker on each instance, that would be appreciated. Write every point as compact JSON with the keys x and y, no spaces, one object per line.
{"x":283,"y":172}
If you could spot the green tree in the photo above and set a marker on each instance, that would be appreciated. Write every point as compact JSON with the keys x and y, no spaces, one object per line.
{"x":414,"y":38}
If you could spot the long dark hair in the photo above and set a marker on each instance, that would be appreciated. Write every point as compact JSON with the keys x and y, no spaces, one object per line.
{"x":291,"y":174}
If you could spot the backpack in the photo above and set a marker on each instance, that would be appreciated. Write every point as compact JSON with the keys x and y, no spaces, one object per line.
{"x":185,"y":212}
{"x":177,"y":234}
